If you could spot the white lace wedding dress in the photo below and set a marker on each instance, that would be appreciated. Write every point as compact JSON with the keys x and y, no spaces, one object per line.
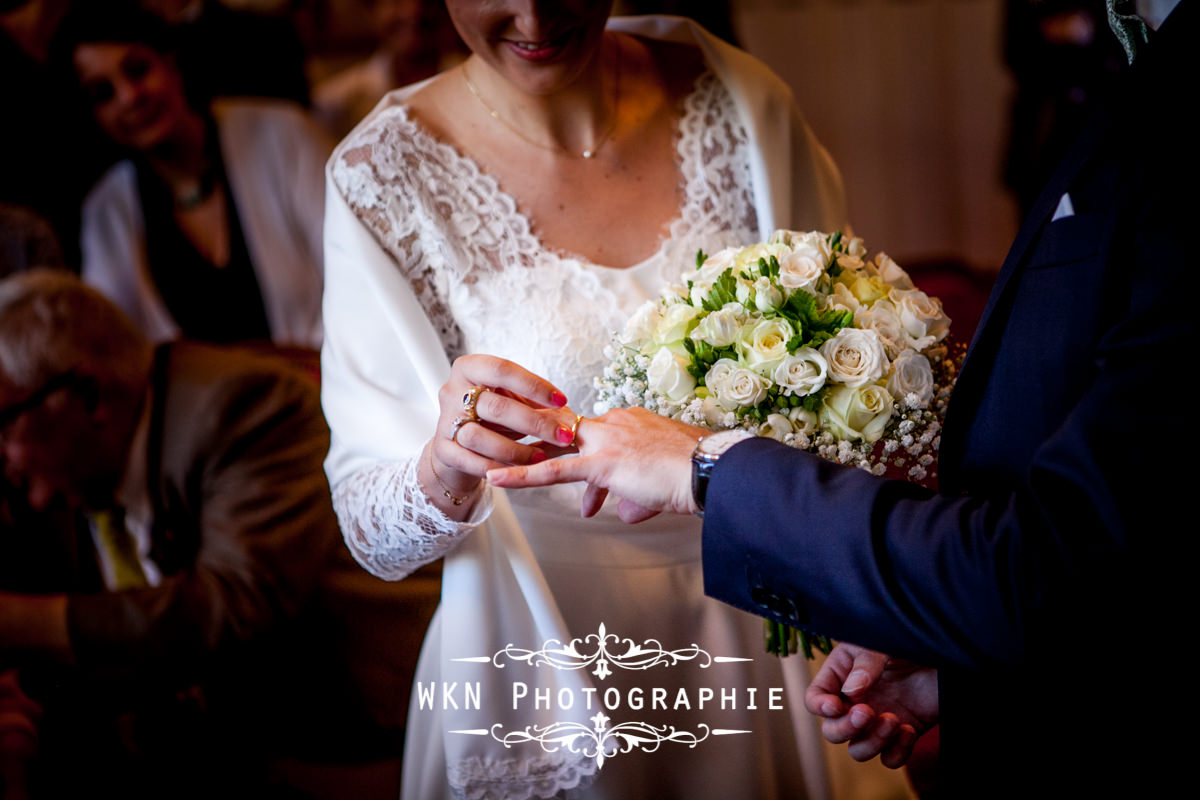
{"x":429,"y":258}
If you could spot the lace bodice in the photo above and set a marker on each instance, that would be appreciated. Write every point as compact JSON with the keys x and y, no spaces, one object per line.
{"x":489,"y":285}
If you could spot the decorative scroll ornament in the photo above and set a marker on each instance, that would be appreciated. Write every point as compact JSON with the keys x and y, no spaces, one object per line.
{"x":601,"y":742}
{"x":600,"y":649}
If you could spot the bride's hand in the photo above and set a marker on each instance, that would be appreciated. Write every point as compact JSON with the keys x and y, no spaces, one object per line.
{"x":487,"y":405}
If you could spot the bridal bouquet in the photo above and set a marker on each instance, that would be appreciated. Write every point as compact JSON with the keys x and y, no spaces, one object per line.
{"x":803,"y":339}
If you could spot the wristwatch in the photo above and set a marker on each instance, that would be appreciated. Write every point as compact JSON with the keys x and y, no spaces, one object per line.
{"x":704,"y":458}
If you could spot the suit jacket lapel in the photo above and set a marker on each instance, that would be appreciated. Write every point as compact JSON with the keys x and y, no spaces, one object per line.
{"x":977,"y":366}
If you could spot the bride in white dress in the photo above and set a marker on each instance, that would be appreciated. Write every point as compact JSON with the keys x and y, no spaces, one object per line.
{"x":521,"y":206}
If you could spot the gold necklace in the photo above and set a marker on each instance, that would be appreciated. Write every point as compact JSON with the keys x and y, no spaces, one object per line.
{"x":586,"y":154}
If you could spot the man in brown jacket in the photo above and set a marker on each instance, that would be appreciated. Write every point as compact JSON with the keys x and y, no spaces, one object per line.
{"x":180,"y":560}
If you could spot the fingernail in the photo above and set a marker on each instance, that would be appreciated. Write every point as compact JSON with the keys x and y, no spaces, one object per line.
{"x":830,"y":709}
{"x":886,"y":726}
{"x":558,"y":399}
{"x":538,"y":457}
{"x":858,"y":717}
{"x":564,"y":435}
{"x":856,"y":681}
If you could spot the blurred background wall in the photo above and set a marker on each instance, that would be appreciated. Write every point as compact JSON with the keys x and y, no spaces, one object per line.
{"x":912,"y":98}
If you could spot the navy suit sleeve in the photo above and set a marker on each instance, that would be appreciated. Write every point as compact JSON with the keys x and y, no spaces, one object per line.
{"x":1091,"y":524}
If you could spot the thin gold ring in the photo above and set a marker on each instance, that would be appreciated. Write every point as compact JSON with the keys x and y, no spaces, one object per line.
{"x":575,"y":425}
{"x":470,"y":398}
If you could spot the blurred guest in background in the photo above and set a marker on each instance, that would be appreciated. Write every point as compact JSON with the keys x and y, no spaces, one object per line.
{"x":211,"y":229}
{"x":417,"y":40}
{"x":26,"y":240}
{"x":51,"y":151}
{"x":170,"y":556}
{"x":229,"y":52}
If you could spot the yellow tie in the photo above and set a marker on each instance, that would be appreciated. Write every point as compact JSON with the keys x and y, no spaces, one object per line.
{"x":118,"y":547}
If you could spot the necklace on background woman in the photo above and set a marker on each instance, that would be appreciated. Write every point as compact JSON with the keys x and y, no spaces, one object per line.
{"x":586,"y":154}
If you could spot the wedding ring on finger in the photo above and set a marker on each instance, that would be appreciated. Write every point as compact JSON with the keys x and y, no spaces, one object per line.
{"x":457,"y":424}
{"x":470,"y":398}
{"x":575,"y":426}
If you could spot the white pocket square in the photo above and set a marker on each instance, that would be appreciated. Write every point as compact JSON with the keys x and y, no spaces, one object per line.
{"x":1065,"y":208}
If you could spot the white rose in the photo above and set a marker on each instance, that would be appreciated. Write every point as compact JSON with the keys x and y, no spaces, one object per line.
{"x":891,"y":273}
{"x":777,"y":427}
{"x":842,"y":298}
{"x":718,"y":376}
{"x":744,"y":292}
{"x":803,"y":421}
{"x":884,"y":320}
{"x":802,"y":268}
{"x":856,"y":248}
{"x":720,"y":328}
{"x":856,"y":357}
{"x":767,"y":297}
{"x":747,"y":258}
{"x":713,"y":266}
{"x":922,"y":317}
{"x":713,"y":412}
{"x":850,"y":263}
{"x":676,"y":319}
{"x":763,"y":344}
{"x":911,"y":374}
{"x":642,"y":325}
{"x":802,"y":372}
{"x":857,"y":413}
{"x":744,"y":388}
{"x":668,"y":375}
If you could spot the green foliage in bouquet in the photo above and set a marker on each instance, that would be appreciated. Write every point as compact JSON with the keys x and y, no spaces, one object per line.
{"x":800,"y":338}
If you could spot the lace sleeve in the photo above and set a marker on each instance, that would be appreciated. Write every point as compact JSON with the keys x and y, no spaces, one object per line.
{"x":390,"y":524}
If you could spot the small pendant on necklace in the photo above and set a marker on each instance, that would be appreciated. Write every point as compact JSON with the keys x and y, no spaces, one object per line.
{"x":587,"y":153}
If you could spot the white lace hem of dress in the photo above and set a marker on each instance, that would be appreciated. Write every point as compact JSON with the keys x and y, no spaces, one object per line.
{"x":555,"y":775}
{"x":391,"y":526}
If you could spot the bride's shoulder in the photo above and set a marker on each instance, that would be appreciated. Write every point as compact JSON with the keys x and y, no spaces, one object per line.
{"x":674,"y":65}
{"x":400,"y":132}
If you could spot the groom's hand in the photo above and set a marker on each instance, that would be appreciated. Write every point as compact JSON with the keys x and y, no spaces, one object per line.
{"x":878,"y":704}
{"x":637,"y":455}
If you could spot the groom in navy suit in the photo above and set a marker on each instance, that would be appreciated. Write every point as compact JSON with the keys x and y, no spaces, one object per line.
{"x":1046,"y":583}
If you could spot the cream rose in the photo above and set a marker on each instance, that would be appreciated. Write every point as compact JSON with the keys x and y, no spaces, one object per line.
{"x":777,"y":427}
{"x":802,"y":268}
{"x":767,"y":297}
{"x":711,"y":269}
{"x":744,"y":388}
{"x":911,"y":375}
{"x":922,"y":317}
{"x":856,"y":357}
{"x":802,"y":372}
{"x":747,"y":258}
{"x":644,"y":323}
{"x":804,"y":421}
{"x":855,"y":414}
{"x":843,"y":299}
{"x":720,"y":328}
{"x":718,"y":376}
{"x":891,"y":273}
{"x":884,"y":320}
{"x":668,"y":375}
{"x":763,"y":344}
{"x":676,"y":320}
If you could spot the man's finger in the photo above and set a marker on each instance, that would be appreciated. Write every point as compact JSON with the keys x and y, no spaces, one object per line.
{"x":551,"y":471}
{"x":632,"y":513}
{"x":593,"y":499}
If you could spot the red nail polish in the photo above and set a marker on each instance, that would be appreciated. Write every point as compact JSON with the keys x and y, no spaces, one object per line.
{"x":564,"y":435}
{"x":558,"y":399}
{"x":537,"y":458}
